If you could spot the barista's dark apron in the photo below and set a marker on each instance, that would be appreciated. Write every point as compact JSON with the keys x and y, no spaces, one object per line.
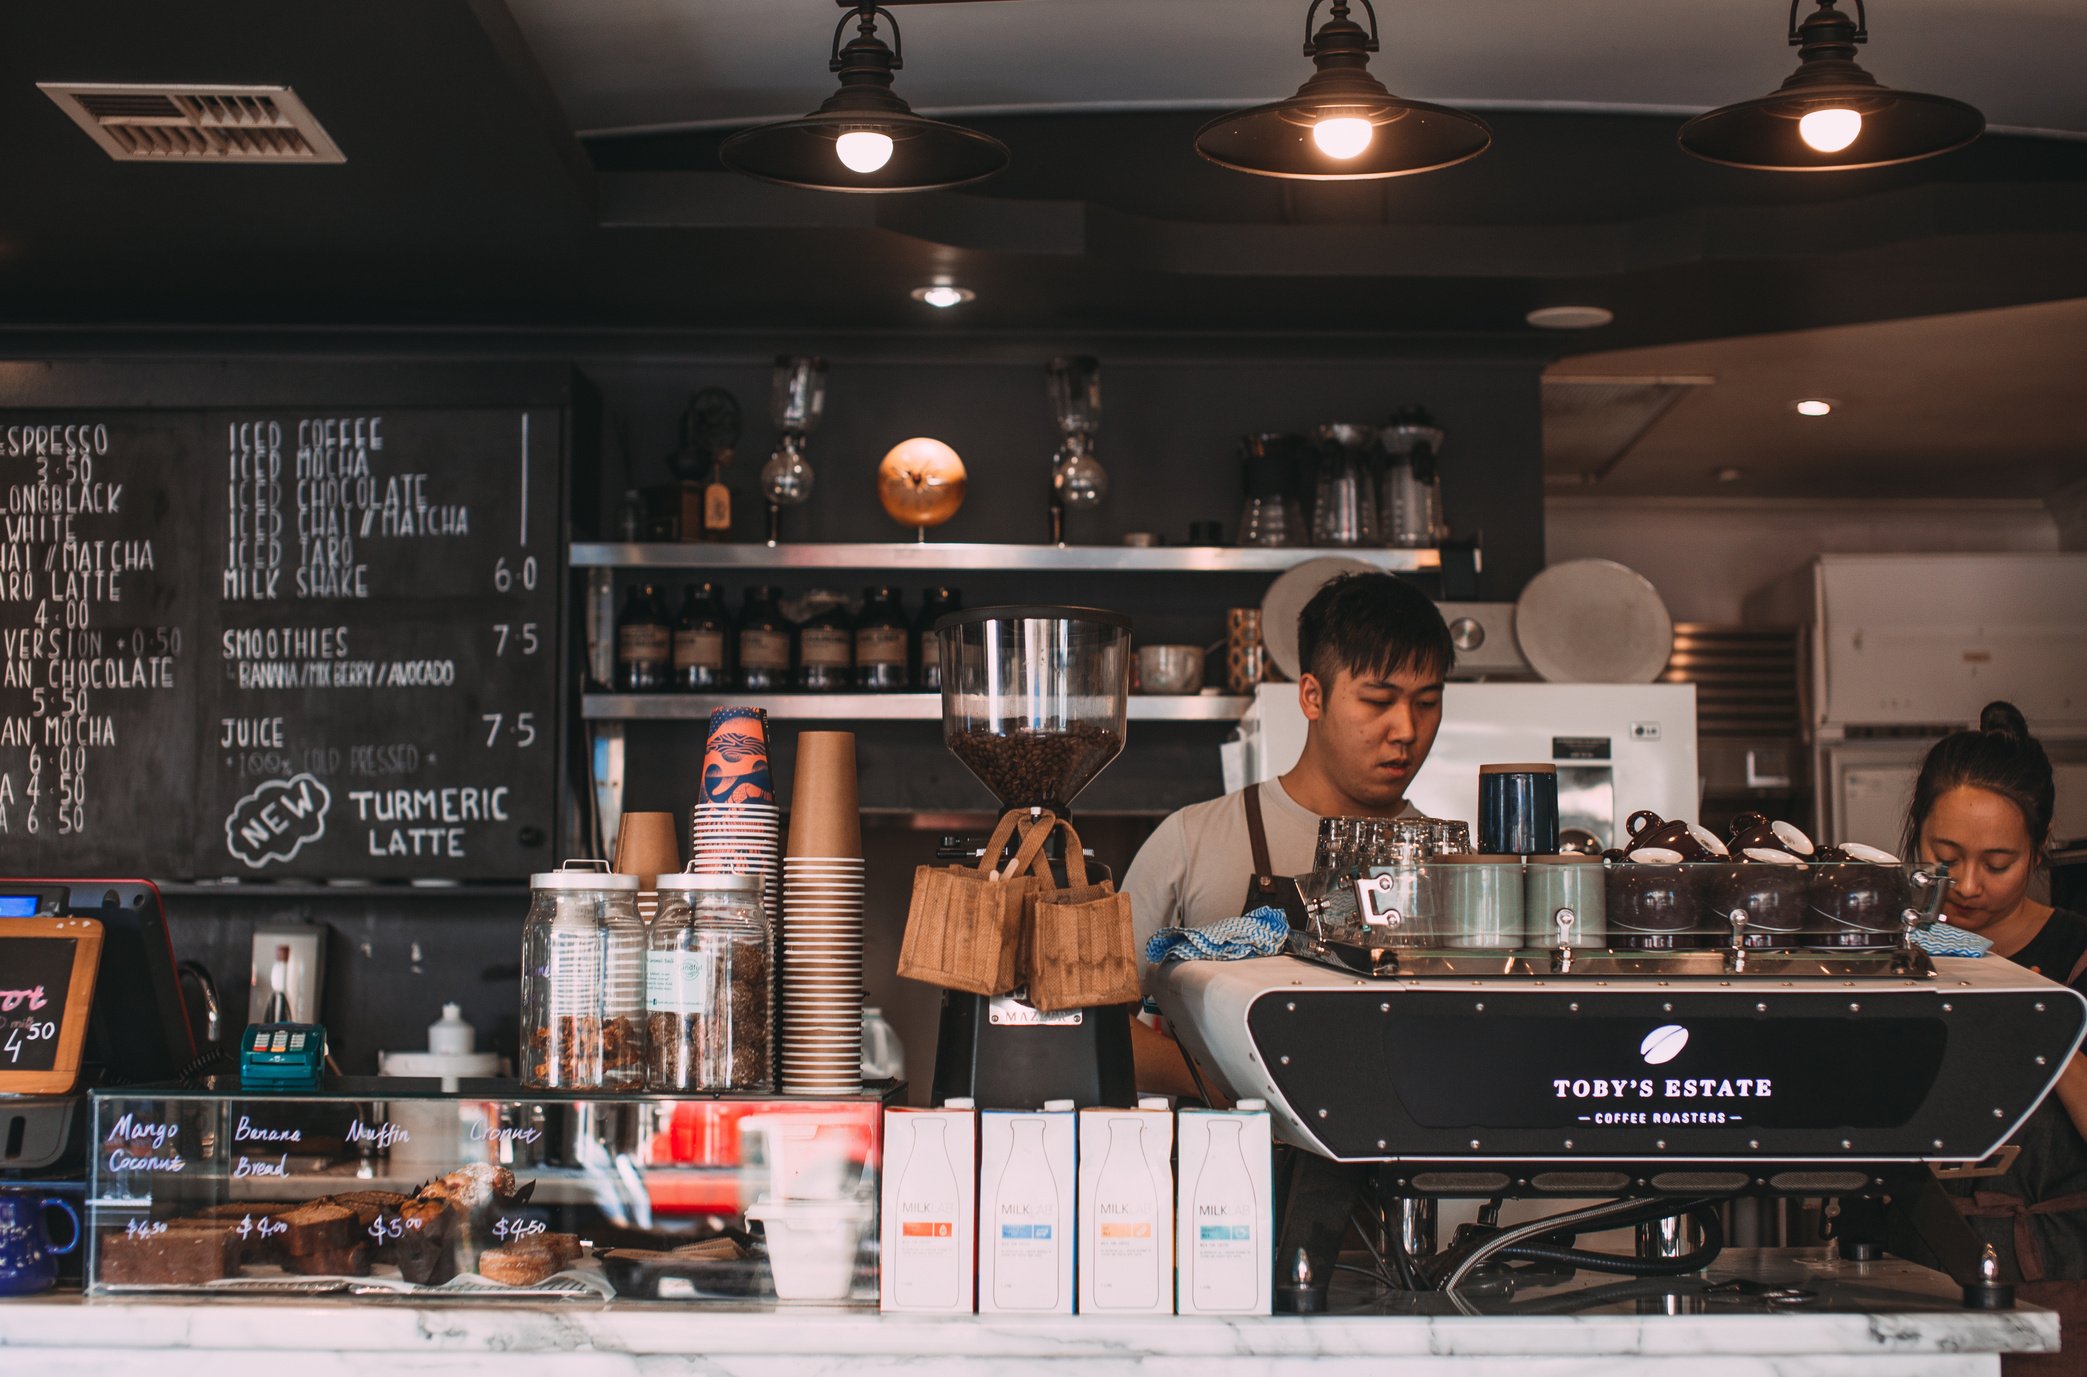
{"x":1256,"y":830}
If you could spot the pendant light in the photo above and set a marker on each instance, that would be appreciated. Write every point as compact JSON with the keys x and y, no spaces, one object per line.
{"x":865,"y":138}
{"x":1831,"y":115}
{"x":1342,"y":125}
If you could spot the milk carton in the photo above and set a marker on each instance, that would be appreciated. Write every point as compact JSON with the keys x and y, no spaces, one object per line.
{"x":930,"y":1195}
{"x":1126,"y":1224}
{"x":1026,"y":1185}
{"x":1225,"y":1243}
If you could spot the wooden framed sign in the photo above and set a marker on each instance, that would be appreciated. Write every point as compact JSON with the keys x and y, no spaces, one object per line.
{"x":47,"y":968}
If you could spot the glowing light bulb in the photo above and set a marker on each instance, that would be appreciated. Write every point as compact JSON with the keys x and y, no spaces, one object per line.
{"x":1814,"y":406}
{"x":1829,"y":131}
{"x":943,"y":297}
{"x":863,"y":150}
{"x":1342,"y":136}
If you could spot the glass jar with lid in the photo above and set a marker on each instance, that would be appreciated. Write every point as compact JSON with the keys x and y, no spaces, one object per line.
{"x":583,"y":981}
{"x":708,"y":985}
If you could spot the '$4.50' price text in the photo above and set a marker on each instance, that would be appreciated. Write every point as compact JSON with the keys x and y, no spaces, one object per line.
{"x":20,"y":1035}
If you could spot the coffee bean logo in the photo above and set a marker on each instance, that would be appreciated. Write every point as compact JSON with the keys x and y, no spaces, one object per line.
{"x":1663,"y":1044}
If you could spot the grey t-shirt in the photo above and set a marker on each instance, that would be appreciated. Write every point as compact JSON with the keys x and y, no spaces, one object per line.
{"x":1197,"y":864}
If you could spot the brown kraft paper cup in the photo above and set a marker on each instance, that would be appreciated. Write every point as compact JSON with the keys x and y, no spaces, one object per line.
{"x":648,"y":846}
{"x":825,"y":818}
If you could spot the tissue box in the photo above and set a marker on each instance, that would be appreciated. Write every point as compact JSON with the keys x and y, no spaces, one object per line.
{"x":930,"y":1198}
{"x":1126,"y":1238}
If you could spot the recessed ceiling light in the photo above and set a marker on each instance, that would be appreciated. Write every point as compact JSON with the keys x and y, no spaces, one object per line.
{"x":1728,"y":474}
{"x":1570,"y":317}
{"x":1813,"y":406}
{"x":944,"y":295}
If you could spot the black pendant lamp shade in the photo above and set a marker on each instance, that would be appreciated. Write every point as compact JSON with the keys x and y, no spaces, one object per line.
{"x":1342,"y":125}
{"x":1831,"y":115}
{"x":864,"y":138}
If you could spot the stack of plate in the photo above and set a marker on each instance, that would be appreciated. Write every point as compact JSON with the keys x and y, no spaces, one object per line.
{"x":822,"y":975}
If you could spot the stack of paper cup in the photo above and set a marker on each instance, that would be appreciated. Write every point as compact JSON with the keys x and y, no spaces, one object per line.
{"x":736,"y":825}
{"x":822,"y":922}
{"x":646,"y":848}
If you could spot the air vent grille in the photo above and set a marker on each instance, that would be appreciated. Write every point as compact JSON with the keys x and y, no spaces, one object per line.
{"x":1591,"y":423}
{"x":1745,"y":678}
{"x":216,"y":124}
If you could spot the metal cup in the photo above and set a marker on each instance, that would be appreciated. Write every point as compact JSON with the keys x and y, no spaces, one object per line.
{"x":1246,"y":654}
{"x":1518,"y":810}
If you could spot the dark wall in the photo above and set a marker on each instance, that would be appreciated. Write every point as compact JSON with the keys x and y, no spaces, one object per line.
{"x":1170,"y":429}
{"x":395,"y":954}
{"x":1169,"y":438}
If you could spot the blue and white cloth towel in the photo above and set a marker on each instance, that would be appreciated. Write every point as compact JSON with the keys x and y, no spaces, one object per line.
{"x":1942,"y":939}
{"x":1264,"y":932}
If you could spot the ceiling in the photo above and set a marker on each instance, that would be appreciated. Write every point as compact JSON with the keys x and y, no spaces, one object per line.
{"x":1980,"y":404}
{"x":622,"y":65}
{"x":544,"y":170}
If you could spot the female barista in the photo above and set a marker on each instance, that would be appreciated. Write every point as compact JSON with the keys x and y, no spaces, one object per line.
{"x":1983,"y":805}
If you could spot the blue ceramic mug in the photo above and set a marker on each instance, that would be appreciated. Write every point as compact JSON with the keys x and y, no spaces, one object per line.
{"x":28,"y":1260}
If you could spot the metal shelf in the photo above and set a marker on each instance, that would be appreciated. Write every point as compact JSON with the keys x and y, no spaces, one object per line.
{"x":1176,"y":559}
{"x":871,"y":707}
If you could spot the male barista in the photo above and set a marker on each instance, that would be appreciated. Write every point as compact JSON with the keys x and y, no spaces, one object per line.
{"x":1373,"y":652}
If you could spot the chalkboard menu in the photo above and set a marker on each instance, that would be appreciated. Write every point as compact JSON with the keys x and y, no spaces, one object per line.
{"x":47,"y":970}
{"x":280,"y":641}
{"x":32,"y":1001}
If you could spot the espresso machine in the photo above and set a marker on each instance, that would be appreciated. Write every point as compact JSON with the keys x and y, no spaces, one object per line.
{"x":1675,"y":1087}
{"x":1034,"y":703}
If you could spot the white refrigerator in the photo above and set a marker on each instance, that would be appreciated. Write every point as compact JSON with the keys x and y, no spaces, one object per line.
{"x":1903,"y":649}
{"x":1618,"y":748}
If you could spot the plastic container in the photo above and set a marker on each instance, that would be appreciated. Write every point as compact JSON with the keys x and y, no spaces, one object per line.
{"x":583,"y":981}
{"x":450,"y":1035}
{"x":707,"y":982}
{"x":812,"y":1245}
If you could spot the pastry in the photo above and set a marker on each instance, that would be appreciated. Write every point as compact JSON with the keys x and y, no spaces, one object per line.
{"x":518,"y":1264}
{"x":369,"y":1207}
{"x":317,"y":1227}
{"x":180,"y":1252}
{"x":474,"y":1185}
{"x":426,"y":1250}
{"x":351,"y":1261}
{"x":564,"y":1248}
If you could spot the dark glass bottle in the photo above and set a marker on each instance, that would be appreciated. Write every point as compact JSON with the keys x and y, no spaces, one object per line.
{"x":764,"y":643}
{"x":883,"y":642}
{"x":643,"y":642}
{"x":702,"y":634}
{"x":940,"y":603}
{"x":826,"y":651}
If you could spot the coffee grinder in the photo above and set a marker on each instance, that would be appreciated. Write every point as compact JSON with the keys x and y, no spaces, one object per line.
{"x":1033,"y":703}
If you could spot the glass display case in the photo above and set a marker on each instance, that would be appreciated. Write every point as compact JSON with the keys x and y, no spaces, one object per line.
{"x":397,"y":1187}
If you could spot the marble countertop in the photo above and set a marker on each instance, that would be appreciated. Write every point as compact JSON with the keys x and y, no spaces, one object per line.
{"x":1883,"y":1317}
